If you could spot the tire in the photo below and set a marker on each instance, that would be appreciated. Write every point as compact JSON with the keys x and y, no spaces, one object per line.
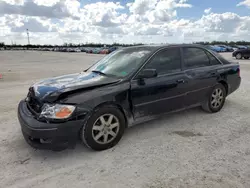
{"x":238,"y":56}
{"x":214,"y":103}
{"x":98,"y":126}
{"x":246,"y":57}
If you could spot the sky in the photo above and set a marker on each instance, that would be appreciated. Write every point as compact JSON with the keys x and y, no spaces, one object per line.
{"x":127,"y":21}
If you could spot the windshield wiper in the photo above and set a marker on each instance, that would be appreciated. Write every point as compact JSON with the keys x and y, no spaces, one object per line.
{"x":99,"y":72}
{"x":104,"y":74}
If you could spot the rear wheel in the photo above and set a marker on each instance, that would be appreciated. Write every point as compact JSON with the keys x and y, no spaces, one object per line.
{"x":239,"y":56}
{"x":246,"y":57}
{"x":216,"y":99}
{"x":104,"y":128}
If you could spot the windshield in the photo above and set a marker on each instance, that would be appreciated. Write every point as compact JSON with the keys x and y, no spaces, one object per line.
{"x":122,"y":62}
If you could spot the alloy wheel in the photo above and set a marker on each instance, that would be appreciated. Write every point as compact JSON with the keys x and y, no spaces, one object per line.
{"x":217,"y":98}
{"x":238,"y":56}
{"x":105,"y":128}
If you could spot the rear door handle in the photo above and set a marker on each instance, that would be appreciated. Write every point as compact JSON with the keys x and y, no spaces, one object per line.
{"x":180,"y":81}
{"x":213,"y":73}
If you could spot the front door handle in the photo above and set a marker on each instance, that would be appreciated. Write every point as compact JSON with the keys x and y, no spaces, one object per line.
{"x":180,"y":81}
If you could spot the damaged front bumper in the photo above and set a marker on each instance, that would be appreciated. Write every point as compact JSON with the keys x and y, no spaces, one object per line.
{"x":52,"y":136}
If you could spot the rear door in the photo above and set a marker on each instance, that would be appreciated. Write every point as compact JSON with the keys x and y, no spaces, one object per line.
{"x":200,"y":67}
{"x":164,"y":93}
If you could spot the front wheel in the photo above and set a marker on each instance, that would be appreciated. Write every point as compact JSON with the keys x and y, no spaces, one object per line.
{"x":104,"y":128}
{"x":216,"y":99}
{"x":239,"y":56}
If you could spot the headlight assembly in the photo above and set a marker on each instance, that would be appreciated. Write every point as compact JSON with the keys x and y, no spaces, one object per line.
{"x":57,"y":111}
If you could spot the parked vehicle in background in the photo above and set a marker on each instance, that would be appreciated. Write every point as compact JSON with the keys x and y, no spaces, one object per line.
{"x":104,"y":51}
{"x":234,"y":48}
{"x":64,"y":50}
{"x":227,"y":48}
{"x":56,"y":49}
{"x":216,"y":48}
{"x":97,"y":50}
{"x":211,"y":47}
{"x":71,"y":50}
{"x":89,"y":50}
{"x":83,"y":49}
{"x":222,"y":49}
{"x":241,"y":47}
{"x":128,"y":86}
{"x":113,"y":48}
{"x":77,"y":50}
{"x":241,"y":53}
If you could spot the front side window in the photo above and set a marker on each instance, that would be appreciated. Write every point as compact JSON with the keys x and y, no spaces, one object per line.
{"x":194,"y":58}
{"x":166,"y":61}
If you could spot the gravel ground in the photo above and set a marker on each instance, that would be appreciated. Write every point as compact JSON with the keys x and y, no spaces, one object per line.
{"x":186,"y":149}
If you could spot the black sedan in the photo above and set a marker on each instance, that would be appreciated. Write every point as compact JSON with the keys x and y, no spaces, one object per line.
{"x":242,"y":53}
{"x":126,"y":87}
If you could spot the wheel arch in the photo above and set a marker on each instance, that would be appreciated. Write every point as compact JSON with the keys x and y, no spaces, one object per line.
{"x":116,"y":105}
{"x":225,"y":84}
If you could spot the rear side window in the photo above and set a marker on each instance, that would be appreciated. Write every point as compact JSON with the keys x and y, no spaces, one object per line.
{"x":213,"y":60}
{"x":166,"y":61}
{"x":194,"y":58}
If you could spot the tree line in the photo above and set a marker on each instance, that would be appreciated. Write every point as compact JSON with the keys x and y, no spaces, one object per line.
{"x":72,"y":45}
{"x":96,"y":45}
{"x":228,"y":43}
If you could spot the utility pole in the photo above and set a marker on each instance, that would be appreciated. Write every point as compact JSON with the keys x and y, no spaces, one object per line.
{"x":28,"y":37}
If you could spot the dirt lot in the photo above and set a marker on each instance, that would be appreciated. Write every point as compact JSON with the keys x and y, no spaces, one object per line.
{"x":187,"y":149}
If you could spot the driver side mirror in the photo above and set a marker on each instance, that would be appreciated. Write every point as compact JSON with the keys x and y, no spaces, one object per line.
{"x":147,"y":73}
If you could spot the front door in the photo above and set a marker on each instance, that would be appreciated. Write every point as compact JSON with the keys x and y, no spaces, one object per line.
{"x":164,"y":93}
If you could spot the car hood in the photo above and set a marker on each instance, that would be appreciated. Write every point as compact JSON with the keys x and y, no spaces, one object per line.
{"x":50,"y":89}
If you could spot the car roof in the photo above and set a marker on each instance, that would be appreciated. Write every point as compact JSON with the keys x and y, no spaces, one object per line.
{"x":154,"y":47}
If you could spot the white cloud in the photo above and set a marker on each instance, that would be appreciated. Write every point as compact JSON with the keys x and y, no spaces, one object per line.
{"x":104,"y":14}
{"x":225,"y":22}
{"x":147,"y":21}
{"x":35,"y":25}
{"x":54,"y":9}
{"x":19,"y":23}
{"x":14,"y":2}
{"x":141,"y":6}
{"x":208,"y":10}
{"x":149,"y":30}
{"x":244,"y":3}
{"x":157,"y":10}
{"x":48,"y":3}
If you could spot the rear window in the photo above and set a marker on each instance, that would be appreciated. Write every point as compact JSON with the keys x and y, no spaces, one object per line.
{"x":195,"y":57}
{"x":222,"y":59}
{"x":213,"y":59}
